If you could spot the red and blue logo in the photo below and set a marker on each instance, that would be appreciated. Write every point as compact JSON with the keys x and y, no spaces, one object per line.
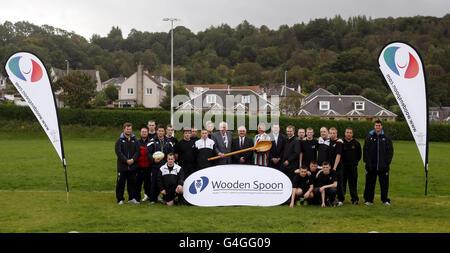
{"x":24,"y":74}
{"x":412,"y":67}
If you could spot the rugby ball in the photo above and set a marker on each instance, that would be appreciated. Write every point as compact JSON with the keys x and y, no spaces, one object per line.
{"x":158,"y":154}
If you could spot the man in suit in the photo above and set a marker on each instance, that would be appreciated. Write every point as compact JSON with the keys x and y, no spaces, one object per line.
{"x":239,"y":143}
{"x":277,"y":149}
{"x":289,"y":161}
{"x":223,"y":140}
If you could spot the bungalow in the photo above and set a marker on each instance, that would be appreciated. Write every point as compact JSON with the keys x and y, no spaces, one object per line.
{"x":222,"y":99}
{"x":323,"y":104}
{"x":439,"y":114}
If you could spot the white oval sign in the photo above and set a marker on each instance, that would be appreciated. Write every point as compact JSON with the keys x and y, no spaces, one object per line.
{"x":237,"y":185}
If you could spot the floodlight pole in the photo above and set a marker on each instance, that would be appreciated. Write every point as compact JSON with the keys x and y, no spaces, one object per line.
{"x":171,"y":67}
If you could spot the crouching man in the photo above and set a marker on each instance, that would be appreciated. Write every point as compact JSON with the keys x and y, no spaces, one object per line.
{"x":170,"y":181}
{"x":326,"y":185}
{"x":302,"y":186}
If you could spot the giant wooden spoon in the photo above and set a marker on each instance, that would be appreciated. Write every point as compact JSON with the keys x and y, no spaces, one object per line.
{"x":261,"y":146}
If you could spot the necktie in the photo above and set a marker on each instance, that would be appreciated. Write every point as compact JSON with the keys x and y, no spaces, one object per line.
{"x":225,"y":140}
{"x":276,"y":140}
{"x":242,"y":141}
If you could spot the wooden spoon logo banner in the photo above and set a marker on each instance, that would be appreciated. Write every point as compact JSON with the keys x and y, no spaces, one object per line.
{"x":237,"y":185}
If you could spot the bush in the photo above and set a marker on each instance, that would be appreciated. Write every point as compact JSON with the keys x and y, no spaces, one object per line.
{"x":115,"y":118}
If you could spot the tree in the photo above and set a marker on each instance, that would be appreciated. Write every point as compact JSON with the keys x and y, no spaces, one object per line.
{"x":247,"y":74}
{"x":111,"y":92}
{"x":77,"y":89}
{"x":291,"y":103}
{"x":100,"y":99}
{"x":178,"y":89}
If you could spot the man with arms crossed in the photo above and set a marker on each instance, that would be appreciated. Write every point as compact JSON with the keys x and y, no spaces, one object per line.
{"x":308,"y":149}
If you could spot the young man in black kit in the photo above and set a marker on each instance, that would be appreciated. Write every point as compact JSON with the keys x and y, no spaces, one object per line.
{"x":312,"y":172}
{"x":127,"y":152}
{"x":351,"y":155}
{"x":184,"y":153}
{"x":151,"y":125}
{"x":171,"y":135}
{"x":170,"y":181}
{"x":336,"y":162}
{"x":378,"y":153}
{"x":323,"y":147}
{"x":158,"y":143}
{"x":326,"y":185}
{"x":302,"y":186}
{"x":308,"y":148}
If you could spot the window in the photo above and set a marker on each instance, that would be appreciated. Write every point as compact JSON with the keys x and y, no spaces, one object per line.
{"x":211,"y":99}
{"x":246,"y":99}
{"x":434,"y":114}
{"x":324,"y":105}
{"x":130,"y":90}
{"x":359,"y":105}
{"x":198,"y":90}
{"x":149,"y":91}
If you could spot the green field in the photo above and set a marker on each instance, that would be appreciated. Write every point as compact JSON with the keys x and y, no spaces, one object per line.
{"x":33,"y":198}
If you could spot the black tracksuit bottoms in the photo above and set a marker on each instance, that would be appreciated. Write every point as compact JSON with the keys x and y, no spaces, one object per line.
{"x":371,"y":180}
{"x":340,"y":185}
{"x":143,"y":177}
{"x":154,"y":189}
{"x":128,"y":178}
{"x":351,"y":176}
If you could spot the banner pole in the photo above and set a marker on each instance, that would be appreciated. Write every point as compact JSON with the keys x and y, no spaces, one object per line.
{"x":67,"y":182}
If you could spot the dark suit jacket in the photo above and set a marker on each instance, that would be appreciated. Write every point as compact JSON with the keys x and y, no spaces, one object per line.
{"x":248,"y":143}
{"x":220,"y":146}
{"x":277,"y":150}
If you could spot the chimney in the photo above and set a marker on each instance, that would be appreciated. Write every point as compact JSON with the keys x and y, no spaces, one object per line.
{"x":140,"y":84}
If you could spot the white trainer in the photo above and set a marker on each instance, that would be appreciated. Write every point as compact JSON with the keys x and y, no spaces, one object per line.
{"x":145,"y":197}
{"x":368,"y":203}
{"x":340,"y":203}
{"x":387,"y":203}
{"x":121,"y":202}
{"x":133,"y":201}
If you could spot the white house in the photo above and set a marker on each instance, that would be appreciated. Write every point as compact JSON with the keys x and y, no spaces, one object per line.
{"x":141,"y":88}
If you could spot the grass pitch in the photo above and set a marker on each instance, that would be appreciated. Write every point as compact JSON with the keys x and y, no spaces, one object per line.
{"x":33,"y":198}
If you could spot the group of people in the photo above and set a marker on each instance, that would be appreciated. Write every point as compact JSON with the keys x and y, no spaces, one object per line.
{"x":318,"y":168}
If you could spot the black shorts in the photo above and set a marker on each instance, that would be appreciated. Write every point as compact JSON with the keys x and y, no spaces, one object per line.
{"x":170,"y":194}
{"x":304,"y":189}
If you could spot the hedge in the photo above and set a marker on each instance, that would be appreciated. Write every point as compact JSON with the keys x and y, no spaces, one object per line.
{"x":115,"y":118}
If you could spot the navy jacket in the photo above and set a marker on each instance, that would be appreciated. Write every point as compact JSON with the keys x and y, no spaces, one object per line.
{"x":125,"y":150}
{"x":378,"y":152}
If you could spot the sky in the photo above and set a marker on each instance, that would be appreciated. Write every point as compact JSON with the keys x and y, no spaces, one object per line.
{"x":88,"y":17}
